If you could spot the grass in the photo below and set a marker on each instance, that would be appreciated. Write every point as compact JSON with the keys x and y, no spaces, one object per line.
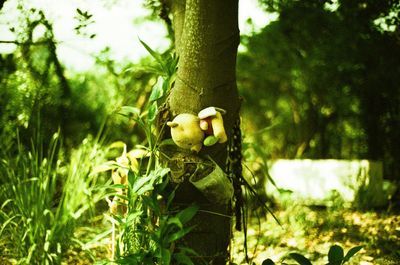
{"x":44,"y":199}
{"x":312,"y":231}
{"x":309,"y":231}
{"x":48,"y":215}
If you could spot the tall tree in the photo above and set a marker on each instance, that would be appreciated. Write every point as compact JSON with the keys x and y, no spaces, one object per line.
{"x":327,"y":77}
{"x":206,"y":38}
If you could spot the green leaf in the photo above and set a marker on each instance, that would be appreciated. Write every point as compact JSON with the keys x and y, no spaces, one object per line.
{"x":118,"y":219}
{"x":300,"y":259}
{"x":166,"y":86}
{"x":102,"y":262}
{"x":129,"y":260}
{"x":142,"y":185}
{"x":118,"y":186}
{"x":122,"y":197}
{"x":171,"y":81}
{"x":156,"y":70}
{"x":178,"y":235}
{"x":146,"y":183}
{"x":102,"y":168}
{"x":157,"y":91}
{"x":160,"y":187}
{"x":181,"y":258}
{"x":5,"y":203}
{"x":130,"y":110}
{"x":153,"y":204}
{"x":165,"y":256}
{"x":175,"y":221}
{"x":187,"y":250}
{"x":154,"y":54}
{"x":167,"y":141}
{"x":171,"y":196}
{"x":268,"y":262}
{"x":351,"y":253}
{"x":152,"y":112}
{"x":133,"y":218}
{"x":162,"y":171}
{"x":8,"y":221}
{"x":335,"y":255}
{"x":187,"y":214}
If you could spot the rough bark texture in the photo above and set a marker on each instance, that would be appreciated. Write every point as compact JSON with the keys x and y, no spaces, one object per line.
{"x":207,"y":47}
{"x":206,"y":40}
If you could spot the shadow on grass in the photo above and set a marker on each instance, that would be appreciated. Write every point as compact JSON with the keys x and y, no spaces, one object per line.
{"x":312,"y":230}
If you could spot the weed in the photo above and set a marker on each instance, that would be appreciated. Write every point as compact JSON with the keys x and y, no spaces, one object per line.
{"x":45,"y":199}
{"x":146,"y":229}
{"x":335,"y":256}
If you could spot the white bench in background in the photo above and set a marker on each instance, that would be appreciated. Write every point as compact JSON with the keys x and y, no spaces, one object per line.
{"x":314,"y":181}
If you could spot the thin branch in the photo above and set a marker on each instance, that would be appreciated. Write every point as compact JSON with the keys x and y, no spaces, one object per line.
{"x":41,"y":42}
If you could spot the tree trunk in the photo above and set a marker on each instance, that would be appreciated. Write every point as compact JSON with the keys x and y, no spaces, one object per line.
{"x":206,"y":40}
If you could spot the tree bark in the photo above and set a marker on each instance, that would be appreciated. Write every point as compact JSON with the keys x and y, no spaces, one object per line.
{"x":206,"y":40}
{"x":207,"y":47}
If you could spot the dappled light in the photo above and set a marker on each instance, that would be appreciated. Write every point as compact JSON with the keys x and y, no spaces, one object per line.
{"x":199,"y":132}
{"x":312,"y":231}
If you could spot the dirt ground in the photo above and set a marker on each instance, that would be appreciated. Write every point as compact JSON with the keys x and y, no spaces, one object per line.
{"x":311,"y":232}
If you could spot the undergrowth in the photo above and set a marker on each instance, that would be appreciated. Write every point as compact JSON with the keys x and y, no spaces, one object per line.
{"x":44,"y":198}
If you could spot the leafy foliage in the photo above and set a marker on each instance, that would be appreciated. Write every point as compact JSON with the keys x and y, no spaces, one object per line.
{"x":312,"y":230}
{"x":335,"y":256}
{"x":320,"y":82}
{"x":149,"y":231}
{"x":38,"y":216}
{"x":325,"y":80}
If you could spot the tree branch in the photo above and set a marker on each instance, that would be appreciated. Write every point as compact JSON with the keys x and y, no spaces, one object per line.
{"x":2,"y":3}
{"x":25,"y":42}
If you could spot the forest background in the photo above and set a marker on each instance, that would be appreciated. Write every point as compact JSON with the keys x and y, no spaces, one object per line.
{"x":319,"y":81}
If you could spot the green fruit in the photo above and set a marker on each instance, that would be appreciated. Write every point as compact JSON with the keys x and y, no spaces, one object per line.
{"x":210,"y":140}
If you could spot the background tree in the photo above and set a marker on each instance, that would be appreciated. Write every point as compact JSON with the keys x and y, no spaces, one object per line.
{"x":321,"y":81}
{"x":326,"y":80}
